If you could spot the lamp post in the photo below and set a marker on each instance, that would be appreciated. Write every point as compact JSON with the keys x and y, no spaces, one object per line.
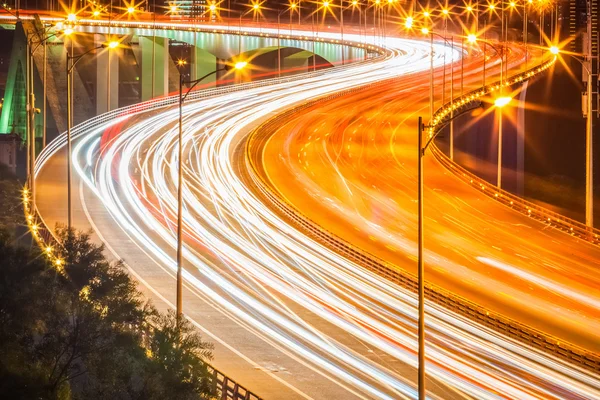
{"x":445,"y":13}
{"x":420,"y":230}
{"x":32,"y":48}
{"x":500,"y":102}
{"x":426,"y":31}
{"x":238,"y":66}
{"x":342,"y":28}
{"x":71,"y":62}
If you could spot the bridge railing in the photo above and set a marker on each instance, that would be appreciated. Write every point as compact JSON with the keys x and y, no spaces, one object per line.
{"x":495,"y":321}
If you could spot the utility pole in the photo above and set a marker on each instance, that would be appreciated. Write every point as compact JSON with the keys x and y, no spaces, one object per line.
{"x":588,"y":110}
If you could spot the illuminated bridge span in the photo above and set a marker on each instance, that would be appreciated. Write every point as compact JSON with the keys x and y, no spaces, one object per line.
{"x":290,"y":317}
{"x":145,"y":67}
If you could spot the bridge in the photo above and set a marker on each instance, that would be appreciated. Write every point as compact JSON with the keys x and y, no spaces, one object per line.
{"x":149,"y":65}
{"x":299,"y":239}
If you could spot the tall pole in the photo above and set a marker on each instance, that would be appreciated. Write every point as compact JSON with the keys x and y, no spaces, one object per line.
{"x":589,"y":158}
{"x":499,"y":178}
{"x":525,"y":31}
{"x":31,"y":129}
{"x":431,"y":78}
{"x":444,"y":76}
{"x":69,"y":119}
{"x":179,"y":206}
{"x":462,"y":66}
{"x":484,"y":49}
{"x":108,"y":66}
{"x":342,"y":28}
{"x":421,"y":269}
{"x":313,"y":43}
{"x":278,"y":46}
{"x":45,"y":98}
{"x":153,"y":46}
{"x":32,"y":138}
{"x":452,"y":99}
{"x":28,"y":106}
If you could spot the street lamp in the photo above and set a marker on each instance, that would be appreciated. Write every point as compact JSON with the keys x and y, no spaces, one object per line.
{"x":32,"y":48}
{"x":426,"y":31}
{"x":71,"y":62}
{"x":500,"y":102}
{"x":499,"y":51}
{"x":239,"y":65}
{"x":433,"y":132}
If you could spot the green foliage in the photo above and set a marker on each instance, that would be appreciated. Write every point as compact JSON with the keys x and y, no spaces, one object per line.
{"x":84,"y":331}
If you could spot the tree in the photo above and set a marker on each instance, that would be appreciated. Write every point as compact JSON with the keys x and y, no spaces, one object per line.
{"x":82,"y":330}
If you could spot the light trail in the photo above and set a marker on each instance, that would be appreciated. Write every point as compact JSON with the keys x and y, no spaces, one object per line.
{"x":298,"y":295}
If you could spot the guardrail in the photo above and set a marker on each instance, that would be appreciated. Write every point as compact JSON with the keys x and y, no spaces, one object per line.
{"x":440,"y":296}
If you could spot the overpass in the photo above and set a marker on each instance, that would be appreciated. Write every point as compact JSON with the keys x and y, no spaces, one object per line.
{"x":146,"y":67}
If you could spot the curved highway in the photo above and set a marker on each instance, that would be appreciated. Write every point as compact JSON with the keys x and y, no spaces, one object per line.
{"x":311,"y":323}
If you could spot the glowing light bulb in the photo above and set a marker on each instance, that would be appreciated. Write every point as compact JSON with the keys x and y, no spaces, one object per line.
{"x":502,"y":101}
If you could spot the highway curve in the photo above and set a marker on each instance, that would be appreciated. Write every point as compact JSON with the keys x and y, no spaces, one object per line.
{"x":311,"y":323}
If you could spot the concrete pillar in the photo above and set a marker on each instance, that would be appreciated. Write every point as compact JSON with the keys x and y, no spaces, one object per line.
{"x":107,"y":77}
{"x":159,"y":47}
{"x":203,"y":63}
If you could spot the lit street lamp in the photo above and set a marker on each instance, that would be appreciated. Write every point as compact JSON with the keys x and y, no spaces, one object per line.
{"x":31,"y":109}
{"x":238,"y":66}
{"x":71,"y":62}
{"x":433,"y":132}
{"x":426,"y":31}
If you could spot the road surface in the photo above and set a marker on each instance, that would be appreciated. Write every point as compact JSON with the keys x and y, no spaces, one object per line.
{"x":312,"y":324}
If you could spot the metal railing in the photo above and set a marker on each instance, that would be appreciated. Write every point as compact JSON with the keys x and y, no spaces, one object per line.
{"x":436,"y":294}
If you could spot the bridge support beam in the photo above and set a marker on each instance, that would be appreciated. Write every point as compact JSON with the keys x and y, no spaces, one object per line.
{"x":155,"y":66}
{"x":107,"y":77}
